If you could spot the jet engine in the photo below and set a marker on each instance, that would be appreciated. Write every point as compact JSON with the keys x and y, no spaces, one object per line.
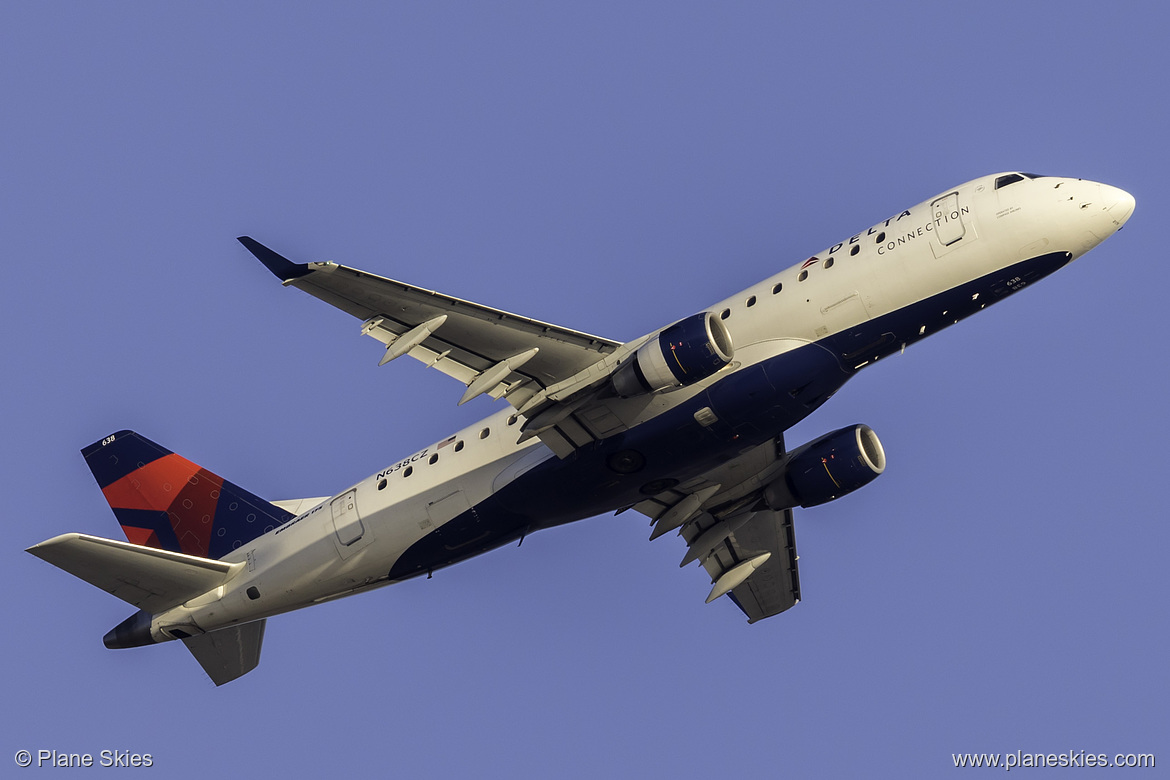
{"x":827,"y":468}
{"x":687,"y":351}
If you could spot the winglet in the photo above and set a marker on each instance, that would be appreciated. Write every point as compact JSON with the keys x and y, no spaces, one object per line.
{"x":282,"y":267}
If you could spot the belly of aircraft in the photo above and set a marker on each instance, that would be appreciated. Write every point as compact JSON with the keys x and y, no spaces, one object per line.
{"x":751,"y":406}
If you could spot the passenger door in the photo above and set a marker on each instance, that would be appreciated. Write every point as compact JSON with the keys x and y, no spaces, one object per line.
{"x":347,"y":523}
{"x":948,"y":219}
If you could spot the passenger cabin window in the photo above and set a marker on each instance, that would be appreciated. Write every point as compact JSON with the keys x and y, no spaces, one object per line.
{"x":1011,"y":178}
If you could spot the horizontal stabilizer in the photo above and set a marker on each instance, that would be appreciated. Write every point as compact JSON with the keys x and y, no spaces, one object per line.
{"x":229,"y":652}
{"x":150,"y":579}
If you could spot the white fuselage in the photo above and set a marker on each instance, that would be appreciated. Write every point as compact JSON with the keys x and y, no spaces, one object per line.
{"x":352,"y":541}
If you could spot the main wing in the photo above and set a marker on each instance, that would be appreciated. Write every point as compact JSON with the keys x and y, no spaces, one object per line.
{"x":748,"y":550}
{"x":491,"y":351}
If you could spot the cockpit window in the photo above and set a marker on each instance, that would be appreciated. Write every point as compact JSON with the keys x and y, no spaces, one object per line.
{"x":1012,"y":178}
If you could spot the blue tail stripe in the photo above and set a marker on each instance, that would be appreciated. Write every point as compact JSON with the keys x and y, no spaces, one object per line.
{"x":232,"y":526}
{"x":117,"y":455}
{"x":156,"y":521}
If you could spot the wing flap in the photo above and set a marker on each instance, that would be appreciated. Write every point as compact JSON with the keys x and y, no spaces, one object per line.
{"x":475,"y":336}
{"x":718,"y":515}
{"x":775,"y":585}
{"x":544,"y":371}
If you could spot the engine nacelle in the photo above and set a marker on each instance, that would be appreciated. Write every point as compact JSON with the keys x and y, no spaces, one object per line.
{"x":687,"y":351}
{"x":827,"y":468}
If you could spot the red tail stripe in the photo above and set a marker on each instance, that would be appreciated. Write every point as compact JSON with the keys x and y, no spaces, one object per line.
{"x":141,"y":536}
{"x":193,"y":514}
{"x":155,"y":486}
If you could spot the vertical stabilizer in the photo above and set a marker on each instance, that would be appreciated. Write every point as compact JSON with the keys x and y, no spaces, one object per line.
{"x":229,"y":652}
{"x":165,"y":501}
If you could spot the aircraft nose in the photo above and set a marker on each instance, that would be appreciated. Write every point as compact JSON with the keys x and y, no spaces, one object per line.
{"x":1120,"y":204}
{"x":1105,"y":209}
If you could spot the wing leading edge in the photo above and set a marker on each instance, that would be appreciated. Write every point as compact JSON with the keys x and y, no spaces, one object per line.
{"x":491,"y":351}
{"x":749,"y":551}
{"x":468,"y":335}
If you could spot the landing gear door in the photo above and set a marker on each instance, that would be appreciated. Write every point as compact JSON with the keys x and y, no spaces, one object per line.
{"x":948,"y":219}
{"x":346,"y":521}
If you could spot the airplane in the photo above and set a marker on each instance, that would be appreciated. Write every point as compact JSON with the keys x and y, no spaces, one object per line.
{"x":684,"y":425}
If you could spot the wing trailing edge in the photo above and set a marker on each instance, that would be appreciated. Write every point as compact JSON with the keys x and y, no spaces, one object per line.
{"x":748,"y":550}
{"x":548,"y":373}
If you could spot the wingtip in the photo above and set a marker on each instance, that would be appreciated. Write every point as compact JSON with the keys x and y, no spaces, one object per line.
{"x":40,"y":549}
{"x":281,"y":267}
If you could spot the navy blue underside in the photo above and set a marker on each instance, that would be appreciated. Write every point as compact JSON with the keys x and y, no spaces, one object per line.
{"x":754,"y":405}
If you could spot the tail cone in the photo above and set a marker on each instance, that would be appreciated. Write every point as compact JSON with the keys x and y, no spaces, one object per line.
{"x":134,"y":631}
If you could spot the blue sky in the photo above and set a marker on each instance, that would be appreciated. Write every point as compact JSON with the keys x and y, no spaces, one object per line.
{"x":610,"y":167}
